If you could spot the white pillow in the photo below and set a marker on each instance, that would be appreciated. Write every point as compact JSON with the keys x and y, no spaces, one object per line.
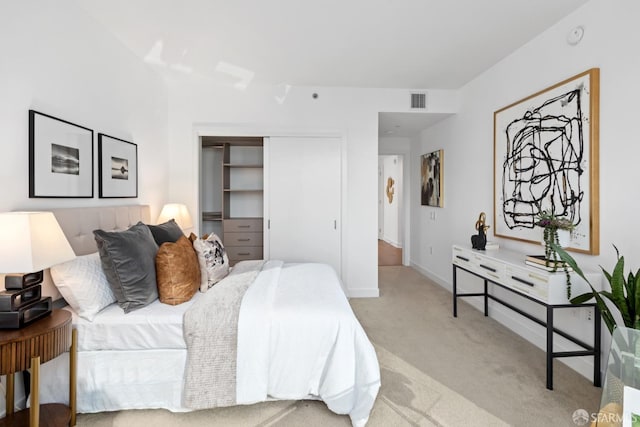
{"x":213,"y":260}
{"x":83,"y":285}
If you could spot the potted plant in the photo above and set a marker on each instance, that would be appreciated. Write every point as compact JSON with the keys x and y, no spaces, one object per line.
{"x":624,"y":358}
{"x":624,"y":293}
{"x":557,"y":232}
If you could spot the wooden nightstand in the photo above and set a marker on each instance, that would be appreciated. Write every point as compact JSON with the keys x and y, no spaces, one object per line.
{"x":27,"y":348}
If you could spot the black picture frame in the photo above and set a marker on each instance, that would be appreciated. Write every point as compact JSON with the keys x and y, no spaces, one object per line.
{"x":60,"y":158}
{"x":117,"y":167}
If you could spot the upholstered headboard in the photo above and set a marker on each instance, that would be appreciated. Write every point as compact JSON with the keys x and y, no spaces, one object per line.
{"x":78,"y":223}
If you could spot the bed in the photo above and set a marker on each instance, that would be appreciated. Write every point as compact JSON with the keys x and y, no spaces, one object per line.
{"x":295,"y":337}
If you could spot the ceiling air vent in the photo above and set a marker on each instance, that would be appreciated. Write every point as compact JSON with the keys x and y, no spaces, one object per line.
{"x":419,"y":101}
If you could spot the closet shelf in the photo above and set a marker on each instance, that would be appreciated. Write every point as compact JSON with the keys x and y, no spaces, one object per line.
{"x":212,"y":216}
{"x":247,"y":166}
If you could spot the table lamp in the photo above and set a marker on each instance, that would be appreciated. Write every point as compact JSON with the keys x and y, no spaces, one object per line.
{"x":176,"y":211}
{"x":29,"y":243}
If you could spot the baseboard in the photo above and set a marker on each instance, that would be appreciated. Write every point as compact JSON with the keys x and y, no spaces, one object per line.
{"x":432,"y":276}
{"x":522,"y":326}
{"x":392,"y":243}
{"x":364,"y":293}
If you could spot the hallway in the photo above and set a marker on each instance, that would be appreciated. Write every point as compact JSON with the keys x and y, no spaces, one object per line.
{"x":388,"y":254}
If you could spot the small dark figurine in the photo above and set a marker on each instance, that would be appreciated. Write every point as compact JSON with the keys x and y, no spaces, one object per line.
{"x":479,"y":241}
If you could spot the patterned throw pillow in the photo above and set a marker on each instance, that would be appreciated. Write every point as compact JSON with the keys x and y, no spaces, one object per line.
{"x":213,"y":260}
{"x":82,"y":283}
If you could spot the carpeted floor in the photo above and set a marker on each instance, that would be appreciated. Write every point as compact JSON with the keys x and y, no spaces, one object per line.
{"x":407,"y":397}
{"x":436,"y":371}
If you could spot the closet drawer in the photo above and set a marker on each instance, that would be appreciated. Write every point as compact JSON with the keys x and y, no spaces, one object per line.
{"x":528,"y":282}
{"x":241,"y":253}
{"x":242,"y":239}
{"x":463,"y":258}
{"x":489,"y":268}
{"x":242,"y":225}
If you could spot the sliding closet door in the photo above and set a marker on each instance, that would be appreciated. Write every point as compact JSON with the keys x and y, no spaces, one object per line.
{"x":304,"y":197}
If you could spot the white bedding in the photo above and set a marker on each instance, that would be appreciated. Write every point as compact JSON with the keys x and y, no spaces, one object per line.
{"x":156,"y":326}
{"x":298,"y":337}
{"x":320,"y":351}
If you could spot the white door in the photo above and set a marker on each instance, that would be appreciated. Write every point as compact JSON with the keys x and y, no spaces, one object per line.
{"x":304,"y":198}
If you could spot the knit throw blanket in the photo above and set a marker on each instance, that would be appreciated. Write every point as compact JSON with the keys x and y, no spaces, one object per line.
{"x":211,"y":334}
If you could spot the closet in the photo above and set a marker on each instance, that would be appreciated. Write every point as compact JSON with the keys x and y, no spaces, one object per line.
{"x":274,"y":197}
{"x":232,"y":201}
{"x":304,"y":207}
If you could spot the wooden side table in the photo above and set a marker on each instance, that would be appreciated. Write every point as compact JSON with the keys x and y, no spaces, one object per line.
{"x":27,"y":348}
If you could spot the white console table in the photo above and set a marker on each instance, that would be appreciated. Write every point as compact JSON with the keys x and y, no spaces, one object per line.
{"x":507,"y":269}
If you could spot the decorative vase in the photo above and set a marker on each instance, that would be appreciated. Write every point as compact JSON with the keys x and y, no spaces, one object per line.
{"x":564,"y":238}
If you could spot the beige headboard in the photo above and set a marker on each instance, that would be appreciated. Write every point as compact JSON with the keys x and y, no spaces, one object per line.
{"x":78,"y":223}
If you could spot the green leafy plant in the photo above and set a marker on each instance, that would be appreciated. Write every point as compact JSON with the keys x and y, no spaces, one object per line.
{"x":551,"y":224}
{"x":624,"y":293}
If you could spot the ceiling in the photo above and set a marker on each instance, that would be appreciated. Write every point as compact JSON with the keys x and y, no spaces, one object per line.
{"x":406,"y":125}
{"x":426,"y":44}
{"x":432,"y":44}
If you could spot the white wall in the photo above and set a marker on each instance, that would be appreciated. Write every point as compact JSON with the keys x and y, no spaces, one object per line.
{"x":610,"y":43}
{"x":54,"y":59}
{"x":58,"y":61}
{"x":198,"y":102}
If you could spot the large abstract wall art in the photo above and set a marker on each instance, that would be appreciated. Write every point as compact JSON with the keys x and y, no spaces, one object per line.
{"x":546,"y":158}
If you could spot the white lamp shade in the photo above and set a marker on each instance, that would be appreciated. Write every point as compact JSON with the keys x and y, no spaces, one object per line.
{"x":176,"y":211}
{"x":31,"y":241}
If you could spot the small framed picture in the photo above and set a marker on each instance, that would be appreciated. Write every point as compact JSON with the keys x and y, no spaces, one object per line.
{"x":60,"y":158}
{"x":117,"y":167}
{"x":432,"y":179}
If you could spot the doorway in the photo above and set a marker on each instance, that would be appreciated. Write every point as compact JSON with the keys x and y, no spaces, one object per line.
{"x":390,"y":210}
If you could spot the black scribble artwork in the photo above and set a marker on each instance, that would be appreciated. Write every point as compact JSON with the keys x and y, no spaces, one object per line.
{"x":542,"y":168}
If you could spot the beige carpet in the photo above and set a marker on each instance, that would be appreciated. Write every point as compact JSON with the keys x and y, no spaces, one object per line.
{"x":407,"y":397}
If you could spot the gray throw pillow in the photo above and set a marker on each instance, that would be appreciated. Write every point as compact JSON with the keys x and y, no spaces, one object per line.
{"x":128,"y":260}
{"x":169,"y":231}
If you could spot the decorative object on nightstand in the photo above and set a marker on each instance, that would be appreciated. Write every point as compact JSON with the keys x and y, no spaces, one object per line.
{"x":31,"y":242}
{"x":176,"y":211}
{"x":479,"y":241}
{"x":28,"y":348}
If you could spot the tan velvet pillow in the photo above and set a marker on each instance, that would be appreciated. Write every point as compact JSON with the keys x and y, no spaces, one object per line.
{"x":177,"y":272}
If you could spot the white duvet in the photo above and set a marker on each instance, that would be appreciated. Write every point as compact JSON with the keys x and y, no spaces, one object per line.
{"x":298,"y":338}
